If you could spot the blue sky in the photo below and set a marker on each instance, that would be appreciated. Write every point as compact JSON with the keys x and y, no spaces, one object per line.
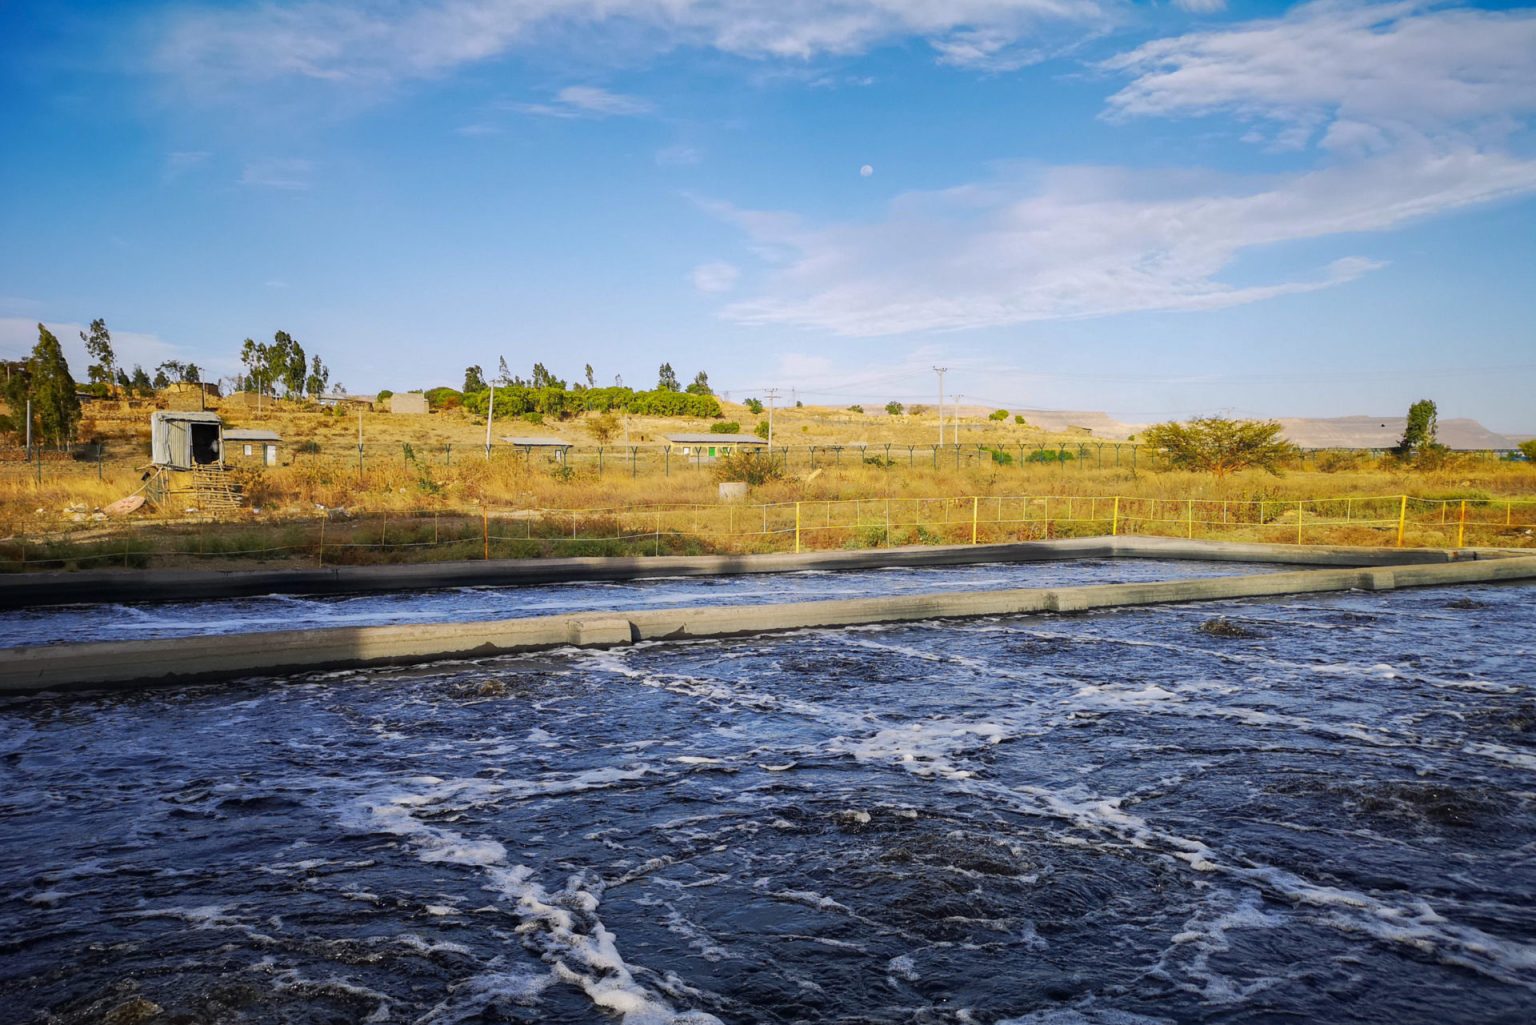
{"x":1155,"y":209}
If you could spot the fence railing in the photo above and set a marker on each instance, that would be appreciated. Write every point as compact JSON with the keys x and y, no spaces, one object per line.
{"x":800,"y":526}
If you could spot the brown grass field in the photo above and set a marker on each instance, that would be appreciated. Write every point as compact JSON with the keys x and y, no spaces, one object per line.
{"x":426,"y":491}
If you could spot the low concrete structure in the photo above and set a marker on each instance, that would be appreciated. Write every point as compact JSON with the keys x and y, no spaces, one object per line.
{"x":64,"y":588}
{"x":411,"y":402}
{"x":85,"y":666}
{"x":251,"y":446}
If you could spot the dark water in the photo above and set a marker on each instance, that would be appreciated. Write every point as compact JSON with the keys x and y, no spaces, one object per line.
{"x":1315,"y":809}
{"x":73,"y":623}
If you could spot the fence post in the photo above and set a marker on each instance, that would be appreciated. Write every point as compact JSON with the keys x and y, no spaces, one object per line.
{"x":1189,"y":518}
{"x":797,"y":528}
{"x":1114,"y":524}
{"x":1402,"y":519}
{"x":1461,"y":525}
{"x":975,"y":505}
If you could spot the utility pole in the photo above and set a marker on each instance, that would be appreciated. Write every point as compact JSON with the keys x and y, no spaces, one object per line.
{"x":772,"y":394}
{"x":941,"y":371}
{"x":29,"y":430}
{"x":489,"y":416}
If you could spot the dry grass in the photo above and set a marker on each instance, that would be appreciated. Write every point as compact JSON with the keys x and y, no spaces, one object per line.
{"x":419,"y":469}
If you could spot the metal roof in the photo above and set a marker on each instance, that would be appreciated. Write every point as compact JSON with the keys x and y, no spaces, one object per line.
{"x":251,"y":434}
{"x":538,"y":442}
{"x":715,"y":439}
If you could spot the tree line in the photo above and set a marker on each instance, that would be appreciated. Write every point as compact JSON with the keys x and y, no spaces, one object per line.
{"x":544,"y":394}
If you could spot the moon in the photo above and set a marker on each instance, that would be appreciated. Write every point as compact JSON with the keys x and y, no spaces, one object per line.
{"x":866,"y":171}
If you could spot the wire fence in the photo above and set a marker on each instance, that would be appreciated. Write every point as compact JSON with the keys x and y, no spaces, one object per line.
{"x":797,"y":526}
{"x":653,"y":459}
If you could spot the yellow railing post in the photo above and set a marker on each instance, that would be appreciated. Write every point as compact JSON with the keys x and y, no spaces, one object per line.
{"x":975,"y":506}
{"x":1189,"y":518}
{"x":1461,"y":525}
{"x":1114,"y":524}
{"x":797,"y":528}
{"x":1298,"y":522}
{"x":1402,"y":519}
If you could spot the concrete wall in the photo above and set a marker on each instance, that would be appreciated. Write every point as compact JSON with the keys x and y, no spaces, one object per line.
{"x":54,"y":588}
{"x":408,"y":402}
{"x":86,"y":666}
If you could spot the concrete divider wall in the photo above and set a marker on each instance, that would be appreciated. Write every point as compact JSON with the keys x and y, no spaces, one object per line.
{"x":31,"y":590}
{"x":121,"y":663}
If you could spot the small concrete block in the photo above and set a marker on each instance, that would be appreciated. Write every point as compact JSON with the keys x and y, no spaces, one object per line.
{"x":595,"y":633}
{"x":1377,"y":580}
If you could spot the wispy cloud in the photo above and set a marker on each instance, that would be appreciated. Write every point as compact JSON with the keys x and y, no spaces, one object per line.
{"x":280,"y":173}
{"x":1407,"y":117}
{"x":382,"y":41}
{"x":588,"y":101}
{"x":678,"y":156}
{"x":715,"y":277}
{"x":180,"y":162}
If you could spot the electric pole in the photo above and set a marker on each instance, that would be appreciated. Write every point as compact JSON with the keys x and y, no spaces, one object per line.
{"x":772,"y":394}
{"x":941,"y":371}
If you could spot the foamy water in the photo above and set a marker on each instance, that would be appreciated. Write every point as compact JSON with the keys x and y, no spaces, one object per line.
{"x":115,"y":622}
{"x":1322,"y":812}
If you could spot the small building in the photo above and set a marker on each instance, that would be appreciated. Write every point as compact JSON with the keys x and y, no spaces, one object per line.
{"x":250,"y":445}
{"x":713,"y":446}
{"x":186,"y":440}
{"x":349,"y":402}
{"x":189,"y":395}
{"x":413,"y":402}
{"x":553,"y":447}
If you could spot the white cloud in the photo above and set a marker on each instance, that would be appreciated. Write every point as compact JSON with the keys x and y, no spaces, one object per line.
{"x":715,"y":277}
{"x":1201,"y":6}
{"x":678,"y":156}
{"x":280,"y":173}
{"x":1407,"y":67}
{"x":18,"y":335}
{"x":1085,"y":242}
{"x":1406,"y":109}
{"x":588,"y":101}
{"x":382,"y":41}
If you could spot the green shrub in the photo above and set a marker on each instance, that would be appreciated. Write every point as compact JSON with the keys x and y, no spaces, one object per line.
{"x":893,"y":408}
{"x":1049,"y":455}
{"x":725,"y":427}
{"x":384,"y":394}
{"x":751,"y":467}
{"x":855,"y":408}
{"x":998,"y":414}
{"x":754,"y":406}
{"x":761,"y":430}
{"x":1018,"y":419}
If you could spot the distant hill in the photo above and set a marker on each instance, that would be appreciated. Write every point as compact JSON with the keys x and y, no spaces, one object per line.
{"x":1384,"y":432}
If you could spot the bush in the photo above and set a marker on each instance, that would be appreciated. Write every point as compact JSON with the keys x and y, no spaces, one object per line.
{"x":855,"y":408}
{"x":1338,"y":461}
{"x":1221,"y":446}
{"x":761,"y":430}
{"x":755,"y":407}
{"x":444,"y":398}
{"x":998,"y":415}
{"x":533,"y":418}
{"x":1018,"y":420}
{"x":725,"y":427}
{"x":751,"y":467}
{"x":384,"y":393}
{"x":893,"y":408}
{"x":1049,"y":455}
{"x":1000,"y":457}
{"x":1528,"y":449}
{"x":917,"y":410}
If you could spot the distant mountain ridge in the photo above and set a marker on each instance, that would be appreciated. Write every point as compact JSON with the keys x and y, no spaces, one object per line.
{"x":1460,"y":433}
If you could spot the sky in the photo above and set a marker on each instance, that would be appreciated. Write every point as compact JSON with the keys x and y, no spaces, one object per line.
{"x":1160,"y":209}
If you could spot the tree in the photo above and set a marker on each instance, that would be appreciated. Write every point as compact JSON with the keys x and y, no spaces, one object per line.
{"x":140,"y":381}
{"x":319,"y":377}
{"x":754,"y":406}
{"x":700,"y":385}
{"x":998,"y":415}
{"x":1419,"y":432}
{"x":52,"y":389}
{"x":98,"y":345}
{"x":474,"y":379}
{"x":1218,"y":445}
{"x":666,"y":379}
{"x":591,"y":383}
{"x":161,"y":380}
{"x":894,"y":408}
{"x":255,"y":357}
{"x":542,"y":378}
{"x":287,"y":364}
{"x":603,"y":427}
{"x":1528,"y":449}
{"x":175,"y":370}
